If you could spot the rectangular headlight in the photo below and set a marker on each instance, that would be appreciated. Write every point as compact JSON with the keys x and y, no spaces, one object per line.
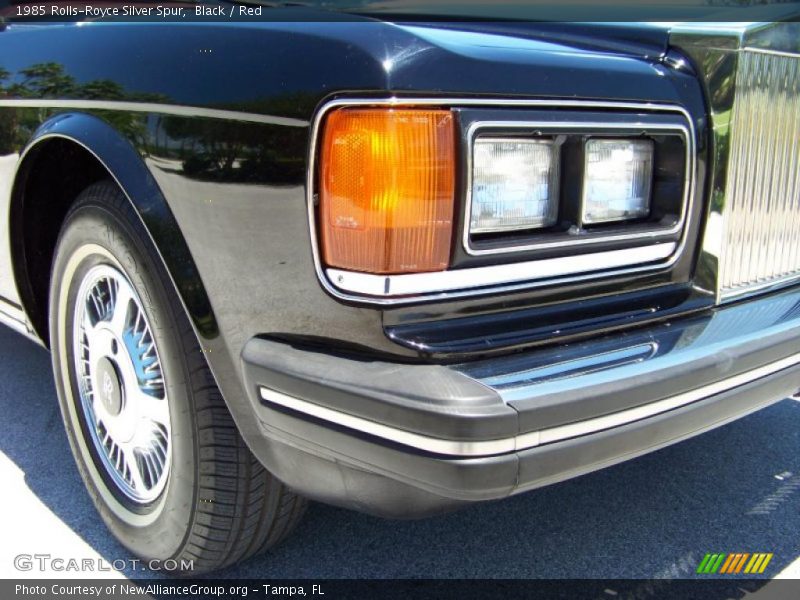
{"x":617,"y":180}
{"x":514,"y":184}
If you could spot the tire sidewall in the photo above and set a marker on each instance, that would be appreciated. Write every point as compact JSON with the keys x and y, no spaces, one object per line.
{"x":100,"y":233}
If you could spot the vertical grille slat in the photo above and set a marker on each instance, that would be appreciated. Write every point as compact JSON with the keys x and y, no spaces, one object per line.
{"x":793,"y":186}
{"x":761,"y":242}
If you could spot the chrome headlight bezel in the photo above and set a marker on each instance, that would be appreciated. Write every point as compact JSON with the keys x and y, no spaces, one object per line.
{"x":673,"y":139}
{"x":522,"y":263}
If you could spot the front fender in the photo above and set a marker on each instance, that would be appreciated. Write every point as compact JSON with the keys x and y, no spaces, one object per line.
{"x":125,"y":165}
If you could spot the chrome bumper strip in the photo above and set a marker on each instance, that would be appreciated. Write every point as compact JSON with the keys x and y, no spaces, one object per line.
{"x":400,"y":436}
{"x":476,"y":277}
{"x":471,"y":449}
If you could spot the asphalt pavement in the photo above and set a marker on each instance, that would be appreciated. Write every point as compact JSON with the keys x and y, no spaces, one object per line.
{"x":735,"y":489}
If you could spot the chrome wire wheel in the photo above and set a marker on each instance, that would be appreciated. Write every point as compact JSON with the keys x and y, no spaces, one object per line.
{"x":151,"y":434}
{"x":121,"y":384}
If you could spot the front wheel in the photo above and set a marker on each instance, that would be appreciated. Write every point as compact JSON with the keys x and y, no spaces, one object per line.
{"x":153,"y":440}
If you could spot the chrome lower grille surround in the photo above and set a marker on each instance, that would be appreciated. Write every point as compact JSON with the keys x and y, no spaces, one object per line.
{"x":761,"y":216}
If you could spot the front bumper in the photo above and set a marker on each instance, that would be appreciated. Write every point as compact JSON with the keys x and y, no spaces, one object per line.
{"x":408,"y":440}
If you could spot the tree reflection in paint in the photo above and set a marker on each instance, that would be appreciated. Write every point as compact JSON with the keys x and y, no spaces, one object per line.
{"x":206,"y":149}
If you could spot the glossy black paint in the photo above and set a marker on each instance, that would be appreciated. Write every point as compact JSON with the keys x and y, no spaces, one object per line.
{"x":223,"y":195}
{"x":120,"y":158}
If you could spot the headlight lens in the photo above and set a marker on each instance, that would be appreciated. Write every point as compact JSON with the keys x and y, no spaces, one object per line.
{"x":514,"y":184}
{"x":617,"y":180}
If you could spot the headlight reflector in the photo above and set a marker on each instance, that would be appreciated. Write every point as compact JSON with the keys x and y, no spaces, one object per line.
{"x":514,"y":184}
{"x":617,"y":180}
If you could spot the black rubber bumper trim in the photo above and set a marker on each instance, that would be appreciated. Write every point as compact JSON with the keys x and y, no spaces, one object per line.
{"x":499,"y":405}
{"x":431,"y":400}
{"x":336,"y":466}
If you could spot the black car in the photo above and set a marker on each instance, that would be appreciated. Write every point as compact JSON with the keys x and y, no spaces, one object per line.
{"x":387,"y":263}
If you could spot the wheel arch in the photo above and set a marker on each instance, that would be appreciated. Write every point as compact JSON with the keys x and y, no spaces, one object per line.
{"x":65,"y":155}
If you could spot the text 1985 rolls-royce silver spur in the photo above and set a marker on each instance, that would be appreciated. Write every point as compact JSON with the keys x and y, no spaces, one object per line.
{"x":394,"y":265}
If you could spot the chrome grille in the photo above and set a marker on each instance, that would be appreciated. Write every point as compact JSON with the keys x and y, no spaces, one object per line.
{"x":761,"y":240}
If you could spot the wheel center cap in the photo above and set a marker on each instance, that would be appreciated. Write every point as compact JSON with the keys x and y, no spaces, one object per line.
{"x":109,"y":386}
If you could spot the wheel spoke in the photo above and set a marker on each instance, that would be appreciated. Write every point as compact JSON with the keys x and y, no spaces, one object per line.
{"x":96,"y":304}
{"x":97,"y":409}
{"x":152,"y":472}
{"x":151,"y":408}
{"x":86,"y":321}
{"x":158,"y":455}
{"x":133,"y":465}
{"x":93,"y":339}
{"x":119,"y":315}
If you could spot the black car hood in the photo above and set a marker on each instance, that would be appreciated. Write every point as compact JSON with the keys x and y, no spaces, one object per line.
{"x":642,"y":40}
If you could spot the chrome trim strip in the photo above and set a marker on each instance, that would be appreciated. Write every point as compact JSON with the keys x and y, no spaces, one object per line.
{"x":434,"y":294}
{"x":15,"y":318}
{"x":407,"y":438}
{"x":687,"y":201}
{"x":781,"y":53}
{"x":532,"y":439}
{"x":420,"y":283}
{"x":15,"y":324}
{"x":563,"y":432}
{"x":574,"y":367}
{"x":153,"y":107}
{"x":12,"y":310}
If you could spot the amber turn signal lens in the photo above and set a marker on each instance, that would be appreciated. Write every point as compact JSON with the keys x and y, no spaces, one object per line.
{"x":386,"y":189}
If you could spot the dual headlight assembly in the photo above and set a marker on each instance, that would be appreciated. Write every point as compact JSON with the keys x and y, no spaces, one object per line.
{"x":516,"y":182}
{"x":396,"y":186}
